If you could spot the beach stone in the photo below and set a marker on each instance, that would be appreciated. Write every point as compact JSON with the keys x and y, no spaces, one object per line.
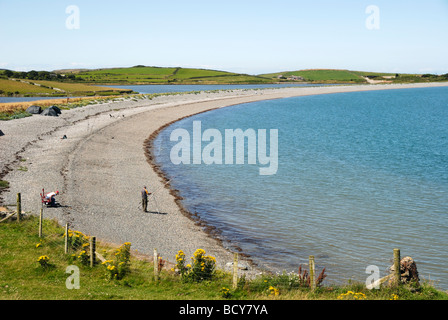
{"x":408,"y":270}
{"x":52,"y":111}
{"x":34,"y":110}
{"x":241,"y":265}
{"x":58,"y":111}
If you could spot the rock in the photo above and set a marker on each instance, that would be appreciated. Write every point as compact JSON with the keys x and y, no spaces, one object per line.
{"x":241,"y":266}
{"x":408,"y":270}
{"x":34,"y":110}
{"x":58,"y":111}
{"x":51,"y":111}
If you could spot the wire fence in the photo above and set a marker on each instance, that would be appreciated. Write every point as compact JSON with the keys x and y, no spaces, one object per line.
{"x":83,"y":249}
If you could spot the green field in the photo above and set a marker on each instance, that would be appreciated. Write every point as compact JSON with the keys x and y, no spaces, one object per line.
{"x":17,"y":87}
{"x":53,"y":88}
{"x":320,"y":75}
{"x":158,"y":75}
{"x":348,"y":76}
{"x":88,"y":82}
{"x":23,"y":277}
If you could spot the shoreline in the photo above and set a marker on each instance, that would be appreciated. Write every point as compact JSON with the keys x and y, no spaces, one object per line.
{"x":82,"y":164}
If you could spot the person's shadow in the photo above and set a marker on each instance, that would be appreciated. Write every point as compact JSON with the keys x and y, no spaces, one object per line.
{"x":156,"y":212}
{"x":56,"y":205}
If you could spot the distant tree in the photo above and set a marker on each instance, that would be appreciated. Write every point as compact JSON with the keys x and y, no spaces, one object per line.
{"x":33,"y":75}
{"x":8,"y":73}
{"x":43,"y":75}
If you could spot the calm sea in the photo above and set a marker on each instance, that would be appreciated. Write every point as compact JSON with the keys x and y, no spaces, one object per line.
{"x":165,"y":88}
{"x":359,"y":174}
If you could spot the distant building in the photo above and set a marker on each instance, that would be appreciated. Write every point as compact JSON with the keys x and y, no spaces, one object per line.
{"x":295,"y":78}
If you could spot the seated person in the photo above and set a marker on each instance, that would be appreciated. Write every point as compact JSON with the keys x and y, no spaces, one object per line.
{"x":50,"y":197}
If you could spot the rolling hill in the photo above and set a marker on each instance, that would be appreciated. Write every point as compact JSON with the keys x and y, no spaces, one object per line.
{"x":87,"y":82}
{"x":160,"y":75}
{"x":318,"y":75}
{"x":42,"y":88}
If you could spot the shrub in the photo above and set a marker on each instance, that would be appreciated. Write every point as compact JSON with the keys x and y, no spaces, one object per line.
{"x":202,"y":267}
{"x":76,"y":239}
{"x":225,"y":292}
{"x":273,"y":291}
{"x":84,"y":258}
{"x":44,"y":261}
{"x":120,"y":266}
{"x":350,"y":295}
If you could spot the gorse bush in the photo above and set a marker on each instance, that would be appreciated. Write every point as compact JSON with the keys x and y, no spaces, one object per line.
{"x":202,"y":267}
{"x":44,"y":261}
{"x":118,"y":267}
{"x":350,"y":295}
{"x":84,"y":257}
{"x":77,"y":239}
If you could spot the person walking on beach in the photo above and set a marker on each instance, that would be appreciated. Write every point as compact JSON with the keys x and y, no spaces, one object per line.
{"x":145,"y":195}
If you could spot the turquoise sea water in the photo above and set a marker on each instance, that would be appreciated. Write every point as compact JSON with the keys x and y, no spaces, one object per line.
{"x":359,"y":174}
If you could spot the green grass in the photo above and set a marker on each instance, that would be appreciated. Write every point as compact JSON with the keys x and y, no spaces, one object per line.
{"x":348,"y":76}
{"x":22,"y":277}
{"x":321,"y":75}
{"x":161,"y":75}
{"x":18,"y":87}
{"x":4,"y":184}
{"x":75,"y":87}
{"x":50,"y":88}
{"x":158,"y":75}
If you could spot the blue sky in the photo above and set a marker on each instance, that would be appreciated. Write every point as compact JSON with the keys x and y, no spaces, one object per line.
{"x":248,"y":36}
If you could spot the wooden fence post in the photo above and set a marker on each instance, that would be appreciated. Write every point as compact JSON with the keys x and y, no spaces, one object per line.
{"x":66,"y":239}
{"x":156,"y":265}
{"x":19,"y":207}
{"x":40,"y":222}
{"x":235,"y":270}
{"x":397,"y":266}
{"x":312,"y":273}
{"x":92,"y":251}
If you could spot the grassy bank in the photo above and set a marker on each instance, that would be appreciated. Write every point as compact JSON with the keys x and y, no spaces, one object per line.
{"x":17,"y":110}
{"x":319,"y":76}
{"x":349,"y":76}
{"x":159,"y":75}
{"x":41,"y":88}
{"x":22,"y":276}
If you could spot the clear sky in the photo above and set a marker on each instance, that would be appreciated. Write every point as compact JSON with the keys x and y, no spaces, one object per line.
{"x":248,"y":36}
